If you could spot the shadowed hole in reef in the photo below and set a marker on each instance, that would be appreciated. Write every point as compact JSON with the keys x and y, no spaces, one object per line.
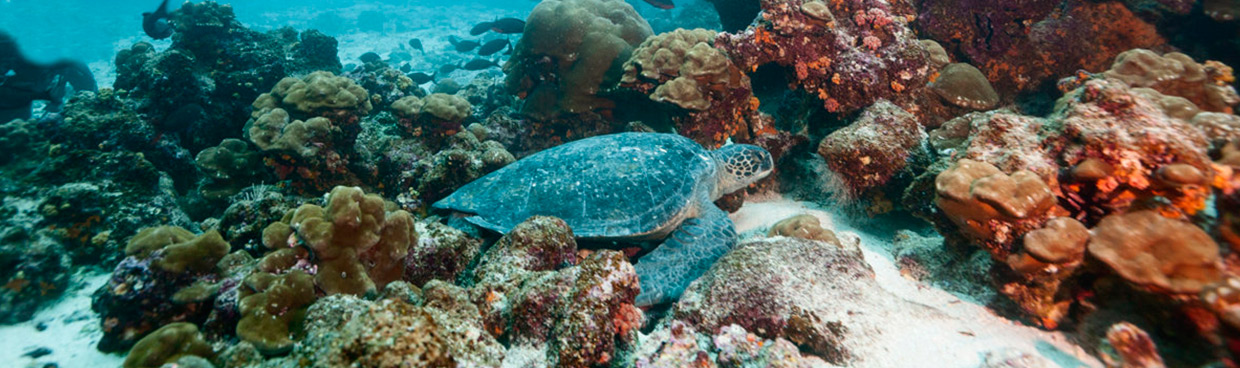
{"x":736,"y":15}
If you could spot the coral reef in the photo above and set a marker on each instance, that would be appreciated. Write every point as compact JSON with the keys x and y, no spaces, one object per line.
{"x":433,"y":118}
{"x":358,"y":244}
{"x":463,"y":159}
{"x":569,"y":52}
{"x":307,"y":127}
{"x":868,"y":152}
{"x":849,"y":54}
{"x":200,"y":88}
{"x":270,"y":305}
{"x":167,"y":345}
{"x":1153,"y":251}
{"x":745,"y":290}
{"x":1118,"y":175}
{"x":228,"y":168}
{"x":442,"y":253}
{"x":684,"y":68}
{"x":1022,"y":46}
{"x":139,"y":296}
{"x":678,"y":344}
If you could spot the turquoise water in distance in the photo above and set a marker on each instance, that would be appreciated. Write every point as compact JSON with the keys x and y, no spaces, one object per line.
{"x":91,"y":30}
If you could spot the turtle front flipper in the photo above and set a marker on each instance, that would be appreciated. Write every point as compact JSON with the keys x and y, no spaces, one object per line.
{"x":687,"y":253}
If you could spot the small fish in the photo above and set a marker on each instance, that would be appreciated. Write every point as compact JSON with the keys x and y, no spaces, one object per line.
{"x":513,"y":25}
{"x":421,"y":78}
{"x":156,"y":24}
{"x":350,"y":67}
{"x":416,"y":44}
{"x":480,"y":28}
{"x":462,"y":45}
{"x":448,"y":68}
{"x":493,"y":46}
{"x":479,"y":64}
{"x":405,"y":68}
{"x":370,"y":57}
{"x":661,"y":4}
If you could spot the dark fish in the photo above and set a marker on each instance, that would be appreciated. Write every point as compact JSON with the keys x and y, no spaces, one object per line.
{"x":370,"y":57}
{"x":661,"y":4}
{"x":421,"y":78}
{"x":493,"y":46}
{"x":405,"y":68}
{"x":462,"y":46}
{"x":23,"y":82}
{"x":416,"y":44}
{"x":480,"y":28}
{"x":448,"y":68}
{"x":156,"y":24}
{"x":514,"y":25}
{"x":479,"y":64}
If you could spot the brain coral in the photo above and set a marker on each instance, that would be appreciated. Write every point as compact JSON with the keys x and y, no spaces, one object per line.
{"x":684,"y":68}
{"x":570,"y":50}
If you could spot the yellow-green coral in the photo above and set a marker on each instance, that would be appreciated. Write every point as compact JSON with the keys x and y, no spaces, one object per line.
{"x":446,"y":107}
{"x":274,"y":131}
{"x":358,"y":244}
{"x":316,"y":93}
{"x":182,"y":250}
{"x":270,"y":306}
{"x":685,"y":65}
{"x":442,"y":106}
{"x":166,"y":345}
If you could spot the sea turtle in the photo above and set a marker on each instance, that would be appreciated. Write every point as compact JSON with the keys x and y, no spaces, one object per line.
{"x":626,"y":187}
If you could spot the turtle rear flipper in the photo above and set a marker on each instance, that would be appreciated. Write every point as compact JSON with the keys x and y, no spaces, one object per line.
{"x":696,"y":244}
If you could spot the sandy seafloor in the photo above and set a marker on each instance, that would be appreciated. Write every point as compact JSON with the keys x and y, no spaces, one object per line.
{"x":950,"y":332}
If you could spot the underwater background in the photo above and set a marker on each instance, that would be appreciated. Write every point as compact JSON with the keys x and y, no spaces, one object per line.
{"x":620,"y":183}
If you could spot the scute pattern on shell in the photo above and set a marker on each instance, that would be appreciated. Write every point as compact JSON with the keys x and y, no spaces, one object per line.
{"x":628,"y":185}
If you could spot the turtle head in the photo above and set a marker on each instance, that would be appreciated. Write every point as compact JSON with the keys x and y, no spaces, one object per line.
{"x":740,"y":165}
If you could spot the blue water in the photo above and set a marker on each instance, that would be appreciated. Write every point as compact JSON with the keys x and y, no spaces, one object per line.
{"x":93,"y":30}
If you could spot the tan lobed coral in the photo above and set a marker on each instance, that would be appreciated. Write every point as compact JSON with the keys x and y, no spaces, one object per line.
{"x":992,"y":208}
{"x":1156,"y":252}
{"x":358,"y":243}
{"x":270,"y":305}
{"x":1175,"y":74}
{"x":314,"y":94}
{"x":803,"y":226}
{"x":168,"y":344}
{"x":570,"y":50}
{"x":684,"y":68}
{"x":434,"y":117}
{"x":274,"y":131}
{"x":1048,"y":257}
{"x":182,"y":251}
{"x":307,"y":128}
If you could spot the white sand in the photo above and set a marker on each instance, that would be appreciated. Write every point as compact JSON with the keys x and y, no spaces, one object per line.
{"x":947,"y":332}
{"x":72,"y":331}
